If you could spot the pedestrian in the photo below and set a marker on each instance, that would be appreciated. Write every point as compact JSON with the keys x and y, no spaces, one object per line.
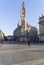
{"x":28,"y":42}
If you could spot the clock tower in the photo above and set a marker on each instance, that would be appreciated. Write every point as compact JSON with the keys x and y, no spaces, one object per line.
{"x":23,"y":15}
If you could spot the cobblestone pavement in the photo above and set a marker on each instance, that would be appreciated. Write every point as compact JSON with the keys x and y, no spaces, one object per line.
{"x":15,"y":54}
{"x":33,"y":62}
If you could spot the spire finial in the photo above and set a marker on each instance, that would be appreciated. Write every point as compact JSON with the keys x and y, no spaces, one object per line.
{"x":23,"y":10}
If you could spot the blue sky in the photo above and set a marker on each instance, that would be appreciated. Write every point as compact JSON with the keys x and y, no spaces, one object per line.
{"x":10,"y":13}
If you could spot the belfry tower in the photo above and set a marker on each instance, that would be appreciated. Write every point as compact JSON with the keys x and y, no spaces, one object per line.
{"x":23,"y":15}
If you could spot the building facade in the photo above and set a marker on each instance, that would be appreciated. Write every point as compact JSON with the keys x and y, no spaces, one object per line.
{"x":23,"y":30}
{"x":1,"y":36}
{"x":41,"y":27}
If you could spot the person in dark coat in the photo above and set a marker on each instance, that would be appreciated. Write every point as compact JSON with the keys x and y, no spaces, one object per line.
{"x":29,"y":42}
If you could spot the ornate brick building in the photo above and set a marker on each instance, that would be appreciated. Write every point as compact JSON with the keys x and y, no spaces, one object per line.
{"x":20,"y":33}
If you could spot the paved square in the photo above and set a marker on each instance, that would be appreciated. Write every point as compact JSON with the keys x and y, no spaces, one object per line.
{"x":21,"y":54}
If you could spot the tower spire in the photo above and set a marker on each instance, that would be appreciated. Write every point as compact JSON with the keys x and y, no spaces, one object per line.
{"x":23,"y":15}
{"x":23,"y":11}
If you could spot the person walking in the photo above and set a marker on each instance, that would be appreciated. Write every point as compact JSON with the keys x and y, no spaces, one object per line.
{"x":29,"y":42}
